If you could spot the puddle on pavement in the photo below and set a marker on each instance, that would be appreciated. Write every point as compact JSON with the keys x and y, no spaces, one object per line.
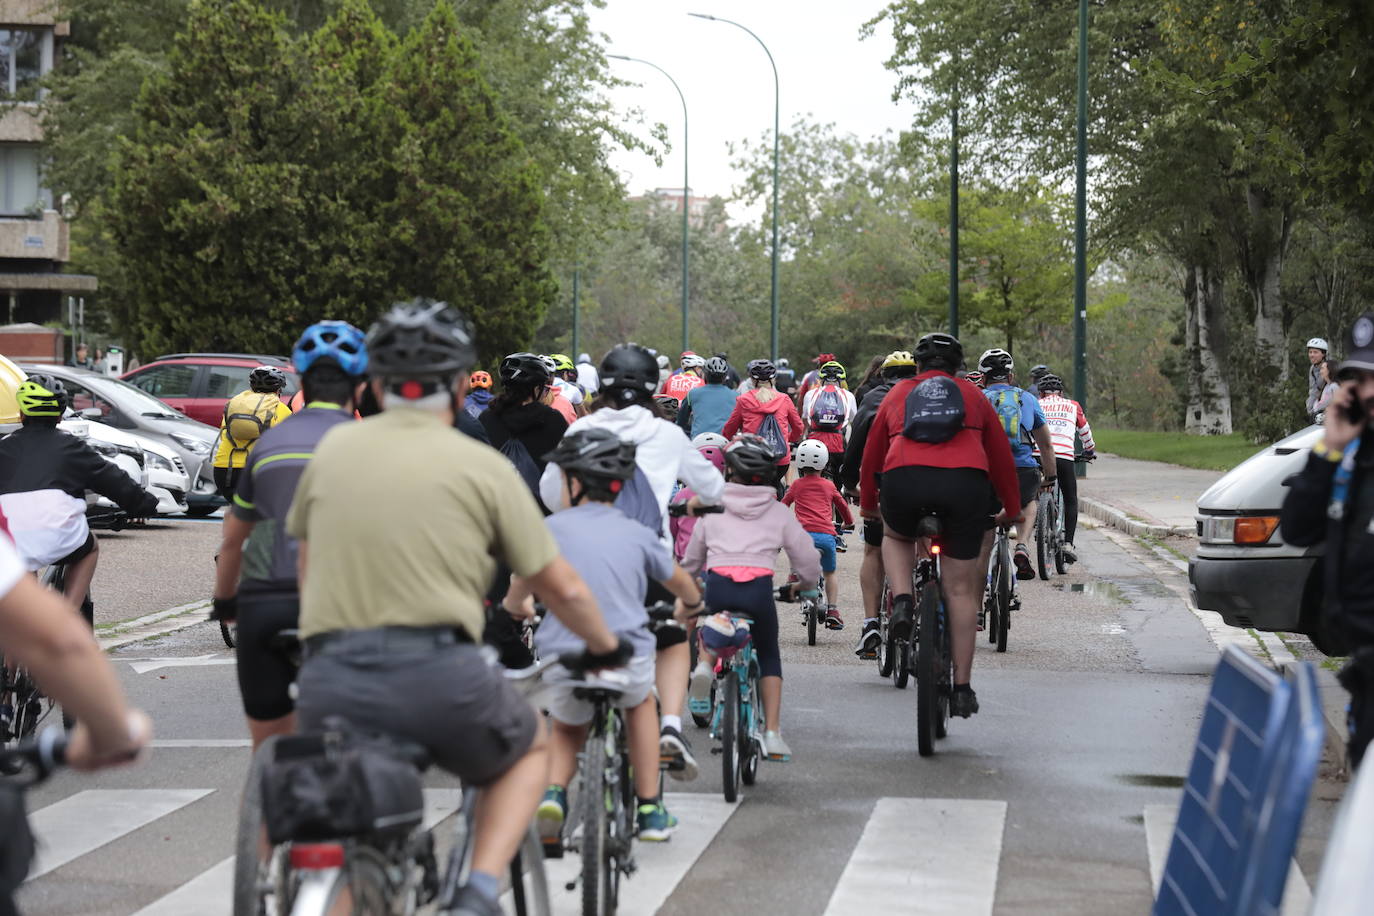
{"x":1094,"y":589}
{"x":1151,"y":780}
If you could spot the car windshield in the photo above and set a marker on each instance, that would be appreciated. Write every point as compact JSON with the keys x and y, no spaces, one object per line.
{"x":134,"y":399}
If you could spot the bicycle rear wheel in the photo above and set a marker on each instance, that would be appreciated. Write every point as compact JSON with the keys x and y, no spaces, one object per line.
{"x":810,"y":608}
{"x":251,"y":884}
{"x":927,"y":673}
{"x":731,"y":753}
{"x":1061,"y":560}
{"x":750,"y":752}
{"x":990,"y":607}
{"x":886,"y":657}
{"x":596,"y":864}
{"x":527,"y":872}
{"x":1002,"y":593}
{"x":1043,"y":535}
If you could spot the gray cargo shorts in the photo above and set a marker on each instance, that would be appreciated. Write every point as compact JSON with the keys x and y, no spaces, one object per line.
{"x":445,"y":698}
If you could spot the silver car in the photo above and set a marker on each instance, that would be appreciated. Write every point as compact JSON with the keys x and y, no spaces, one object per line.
{"x":1243,"y":570}
{"x":126,"y":407}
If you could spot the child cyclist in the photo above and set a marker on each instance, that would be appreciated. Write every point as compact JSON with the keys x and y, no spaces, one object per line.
{"x":736,"y":550}
{"x":815,"y":500}
{"x":617,"y":557}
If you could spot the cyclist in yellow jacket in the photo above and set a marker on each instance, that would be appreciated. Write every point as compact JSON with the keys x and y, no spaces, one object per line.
{"x":247,"y":416}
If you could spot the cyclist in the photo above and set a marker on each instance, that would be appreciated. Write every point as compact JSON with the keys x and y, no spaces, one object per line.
{"x":556,"y":396}
{"x":479,"y":398}
{"x":1065,"y":419}
{"x":618,"y":558}
{"x":247,"y":415}
{"x":811,"y":378}
{"x":681,"y":527}
{"x":586,"y":373}
{"x":786,"y":380}
{"x":736,"y":551}
{"x":975,"y":377}
{"x":1024,"y":424}
{"x":391,"y":611}
{"x":828,"y":409}
{"x":256,"y":584}
{"x":939,"y":462}
{"x":518,"y":413}
{"x":1317,"y":349}
{"x":732,"y":378}
{"x":816,"y":502}
{"x":44,"y":476}
{"x":565,"y":380}
{"x":767,"y":414}
{"x":682,"y":382}
{"x":1036,"y":374}
{"x":663,"y":456}
{"x":706,"y":407}
{"x":898,"y":365}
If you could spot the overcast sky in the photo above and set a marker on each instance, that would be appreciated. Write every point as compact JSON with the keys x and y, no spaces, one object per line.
{"x":824,"y":70}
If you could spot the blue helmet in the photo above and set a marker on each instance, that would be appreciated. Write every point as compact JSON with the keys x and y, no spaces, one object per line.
{"x":338,"y":341}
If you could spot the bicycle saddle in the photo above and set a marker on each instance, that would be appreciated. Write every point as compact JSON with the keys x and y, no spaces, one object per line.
{"x":929,"y":526}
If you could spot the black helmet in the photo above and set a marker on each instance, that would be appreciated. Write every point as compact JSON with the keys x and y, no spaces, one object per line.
{"x":421,"y":338}
{"x":595,"y":454}
{"x":524,"y":370}
{"x":267,"y":379}
{"x":1050,"y":382}
{"x":752,"y":460}
{"x":939,"y":346}
{"x":629,"y":373}
{"x":717,"y":368}
{"x":668,"y":405}
{"x":762,"y":369}
{"x":1039,"y":372}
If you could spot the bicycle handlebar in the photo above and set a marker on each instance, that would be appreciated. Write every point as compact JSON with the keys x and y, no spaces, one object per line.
{"x":44,"y":754}
{"x":679,"y":510}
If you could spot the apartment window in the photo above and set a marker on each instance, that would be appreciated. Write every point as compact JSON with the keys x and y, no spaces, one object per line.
{"x":25,"y":55}
{"x":20,"y":193}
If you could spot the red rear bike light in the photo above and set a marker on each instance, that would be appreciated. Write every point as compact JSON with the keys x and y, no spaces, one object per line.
{"x":934,"y":550}
{"x":316,"y":856}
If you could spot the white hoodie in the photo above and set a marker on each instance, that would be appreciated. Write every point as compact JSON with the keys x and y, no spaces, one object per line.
{"x":663,"y":452}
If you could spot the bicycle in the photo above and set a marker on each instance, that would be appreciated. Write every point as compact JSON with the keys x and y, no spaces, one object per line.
{"x":736,"y":719}
{"x":392,"y":872}
{"x":41,"y":756}
{"x":812,"y":609}
{"x":933,"y":659}
{"x":1000,"y":597}
{"x":1049,"y":532}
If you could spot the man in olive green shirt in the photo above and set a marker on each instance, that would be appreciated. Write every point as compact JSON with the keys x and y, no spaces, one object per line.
{"x":401,"y":520}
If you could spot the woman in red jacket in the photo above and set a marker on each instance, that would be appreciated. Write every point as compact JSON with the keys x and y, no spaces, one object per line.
{"x":762,"y":408}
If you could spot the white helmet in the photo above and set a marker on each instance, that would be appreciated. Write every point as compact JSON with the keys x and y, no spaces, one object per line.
{"x":709,"y":440}
{"x":996,"y":359}
{"x":692,"y":361}
{"x":813,"y":454}
{"x":1317,"y":343}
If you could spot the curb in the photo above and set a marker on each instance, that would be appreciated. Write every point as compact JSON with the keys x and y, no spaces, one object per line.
{"x":150,"y":625}
{"x":1336,"y":728}
{"x":1110,"y":515}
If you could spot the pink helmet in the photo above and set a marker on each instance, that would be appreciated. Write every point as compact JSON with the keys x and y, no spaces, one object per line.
{"x":714,"y":454}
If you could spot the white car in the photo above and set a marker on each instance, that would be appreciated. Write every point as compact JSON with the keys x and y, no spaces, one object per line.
{"x":153,"y":465}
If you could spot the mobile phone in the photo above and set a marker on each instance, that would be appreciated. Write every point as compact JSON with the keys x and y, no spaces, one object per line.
{"x":1354,"y":411}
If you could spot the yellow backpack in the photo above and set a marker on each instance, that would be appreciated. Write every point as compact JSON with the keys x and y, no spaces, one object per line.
{"x":247,"y":416}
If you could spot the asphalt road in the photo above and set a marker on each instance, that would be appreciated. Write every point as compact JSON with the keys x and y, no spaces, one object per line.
{"x":1036,"y":805}
{"x":147,"y":568}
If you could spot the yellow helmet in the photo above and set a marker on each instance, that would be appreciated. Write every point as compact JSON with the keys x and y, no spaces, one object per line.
{"x":832,"y":370}
{"x":899,"y":358}
{"x":41,"y":396}
{"x":561,"y":363}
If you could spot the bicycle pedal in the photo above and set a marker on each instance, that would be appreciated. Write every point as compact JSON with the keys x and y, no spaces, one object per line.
{"x":717,"y":751}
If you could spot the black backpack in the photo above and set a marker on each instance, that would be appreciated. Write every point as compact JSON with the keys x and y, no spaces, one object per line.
{"x":934,"y":410}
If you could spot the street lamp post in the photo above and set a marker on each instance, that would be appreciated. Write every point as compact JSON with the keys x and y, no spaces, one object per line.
{"x":777,"y":117}
{"x":954,"y":212}
{"x":1080,"y":231}
{"x":686,"y":197}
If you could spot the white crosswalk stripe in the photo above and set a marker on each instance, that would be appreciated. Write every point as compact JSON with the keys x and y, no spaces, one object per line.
{"x":958,"y":875}
{"x":83,"y":822}
{"x":211,"y":892}
{"x":1159,"y":832}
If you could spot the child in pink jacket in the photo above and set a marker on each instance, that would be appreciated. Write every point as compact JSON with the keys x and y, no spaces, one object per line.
{"x":737,"y":550}
{"x":681,"y":527}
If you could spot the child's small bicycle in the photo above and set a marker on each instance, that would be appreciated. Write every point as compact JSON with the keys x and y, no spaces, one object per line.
{"x":736,"y":720}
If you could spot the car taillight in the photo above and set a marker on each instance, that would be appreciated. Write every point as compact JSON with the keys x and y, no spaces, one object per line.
{"x":317,"y":856}
{"x":1252,"y":530}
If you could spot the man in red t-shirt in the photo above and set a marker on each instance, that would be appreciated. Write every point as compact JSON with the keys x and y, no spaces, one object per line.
{"x":935,"y":461}
{"x":815,"y":501}
{"x":680,"y":383}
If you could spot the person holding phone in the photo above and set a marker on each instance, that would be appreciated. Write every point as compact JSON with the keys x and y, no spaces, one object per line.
{"x":1332,"y":502}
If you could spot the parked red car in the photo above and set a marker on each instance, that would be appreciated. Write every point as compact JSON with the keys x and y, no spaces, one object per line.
{"x":199,"y":384}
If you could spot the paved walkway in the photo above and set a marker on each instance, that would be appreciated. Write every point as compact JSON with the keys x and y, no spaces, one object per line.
{"x":1149,"y":491}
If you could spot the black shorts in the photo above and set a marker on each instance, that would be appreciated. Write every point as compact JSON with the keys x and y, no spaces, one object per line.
{"x":225,"y":479}
{"x":1029,"y":481}
{"x":958,"y":496}
{"x":81,"y":552}
{"x":265,"y":673}
{"x":873,"y":532}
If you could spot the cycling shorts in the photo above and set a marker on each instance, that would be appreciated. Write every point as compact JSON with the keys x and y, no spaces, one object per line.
{"x":565,"y":707}
{"x":958,"y":496}
{"x":873,"y":532}
{"x":265,"y":673}
{"x":86,"y":549}
{"x":446,"y":698}
{"x":1029,"y":481}
{"x":666,"y":637}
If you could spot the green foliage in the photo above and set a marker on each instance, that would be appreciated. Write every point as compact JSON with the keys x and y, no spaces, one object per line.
{"x":1210,"y":453}
{"x":275,"y":180}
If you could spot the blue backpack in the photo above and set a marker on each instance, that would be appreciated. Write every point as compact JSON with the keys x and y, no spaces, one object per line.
{"x":638,"y":502}
{"x":1007,"y":402}
{"x":769,"y":431}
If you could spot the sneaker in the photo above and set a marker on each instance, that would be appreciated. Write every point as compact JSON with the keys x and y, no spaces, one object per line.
{"x":870,"y":639}
{"x":1070,"y":555}
{"x":1022,"y":559}
{"x":840,"y":545}
{"x":551,"y":812}
{"x":899,"y":627}
{"x":833,"y":620}
{"x":774,"y":748}
{"x":656,"y":825}
{"x":673,"y":747}
{"x":963,"y":703}
{"x":982,"y":619}
{"x":699,"y":690}
{"x":471,"y":902}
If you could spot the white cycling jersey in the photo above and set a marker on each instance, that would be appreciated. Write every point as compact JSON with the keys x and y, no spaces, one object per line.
{"x":1064,"y":417}
{"x":11,"y":567}
{"x":46,"y":525}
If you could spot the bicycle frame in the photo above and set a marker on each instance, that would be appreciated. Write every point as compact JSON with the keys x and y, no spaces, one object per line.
{"x":739,"y":666}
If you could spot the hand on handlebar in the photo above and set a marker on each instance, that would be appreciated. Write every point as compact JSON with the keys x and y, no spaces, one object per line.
{"x":225,"y":610}
{"x":1047,"y":482}
{"x":82,"y":754}
{"x":1002,"y":520}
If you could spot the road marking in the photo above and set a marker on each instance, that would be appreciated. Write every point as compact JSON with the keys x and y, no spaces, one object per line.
{"x":200,"y":742}
{"x":886,"y":873}
{"x":211,"y":893}
{"x":84,"y":822}
{"x":661,"y":865}
{"x":1159,"y":834}
{"x":143,"y":666}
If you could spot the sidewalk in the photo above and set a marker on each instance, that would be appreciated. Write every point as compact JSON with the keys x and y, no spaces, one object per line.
{"x":1157,"y":500}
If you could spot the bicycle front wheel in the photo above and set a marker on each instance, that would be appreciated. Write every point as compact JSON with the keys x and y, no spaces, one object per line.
{"x":886,"y":656}
{"x":1044,"y":549}
{"x":527,"y":871}
{"x":731,"y":754}
{"x":1002,"y":589}
{"x":1061,"y":560}
{"x":927,"y":668}
{"x":251,"y":868}
{"x":811,"y":609}
{"x":596,"y":861}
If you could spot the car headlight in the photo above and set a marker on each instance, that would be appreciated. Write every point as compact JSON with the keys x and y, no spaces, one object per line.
{"x":107,"y":449}
{"x":156,"y":461}
{"x":191,"y":444}
{"x":1243,"y":530}
{"x":134,"y":453}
